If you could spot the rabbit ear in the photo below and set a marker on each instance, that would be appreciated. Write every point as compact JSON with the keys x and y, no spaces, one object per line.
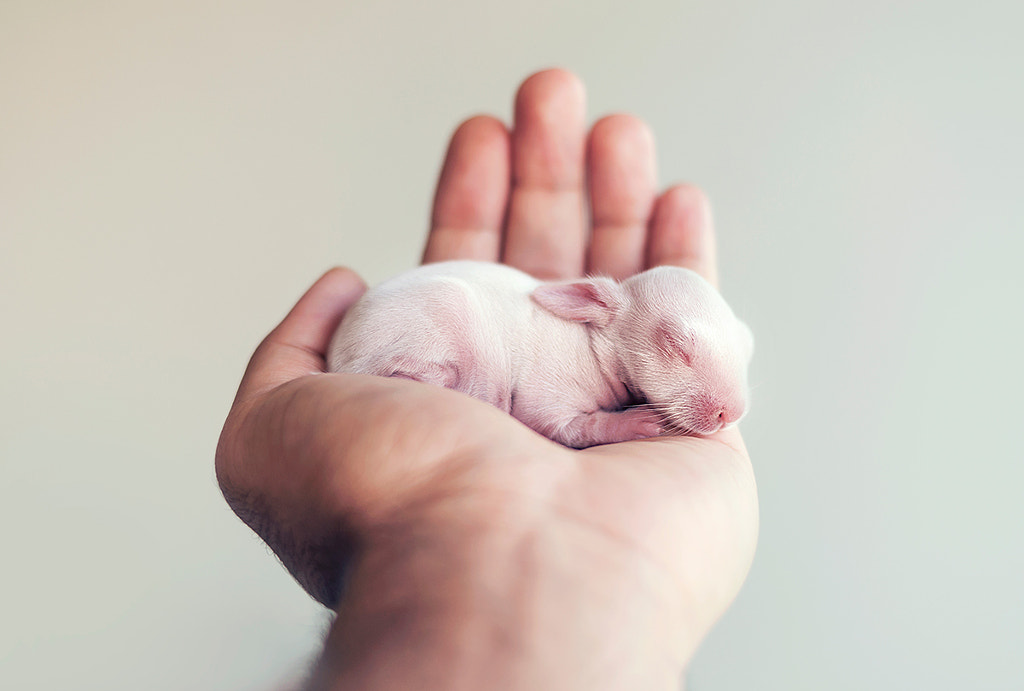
{"x":591,"y":301}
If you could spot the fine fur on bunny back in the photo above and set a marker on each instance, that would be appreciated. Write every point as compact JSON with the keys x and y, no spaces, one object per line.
{"x":584,"y":362}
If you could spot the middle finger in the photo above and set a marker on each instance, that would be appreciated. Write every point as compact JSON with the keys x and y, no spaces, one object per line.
{"x":546,"y":231}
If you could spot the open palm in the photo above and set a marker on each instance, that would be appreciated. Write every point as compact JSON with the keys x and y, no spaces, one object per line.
{"x":326,"y":467}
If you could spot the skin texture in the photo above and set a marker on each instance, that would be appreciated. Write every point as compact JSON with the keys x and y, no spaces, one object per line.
{"x":479,"y":554}
{"x":584,"y":362}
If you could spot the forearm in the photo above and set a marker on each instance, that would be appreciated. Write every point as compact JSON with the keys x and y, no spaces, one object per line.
{"x":526,"y":609}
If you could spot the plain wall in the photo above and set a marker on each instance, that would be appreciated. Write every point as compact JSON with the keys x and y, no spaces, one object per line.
{"x":174,"y":174}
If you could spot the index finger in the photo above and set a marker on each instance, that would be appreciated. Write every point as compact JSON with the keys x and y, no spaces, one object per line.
{"x":472,"y":193}
{"x":298,"y":345}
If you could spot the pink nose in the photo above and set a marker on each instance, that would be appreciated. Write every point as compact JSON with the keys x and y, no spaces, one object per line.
{"x":730,"y":414}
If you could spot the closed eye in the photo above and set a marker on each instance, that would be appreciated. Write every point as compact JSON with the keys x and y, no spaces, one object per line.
{"x":675,"y":344}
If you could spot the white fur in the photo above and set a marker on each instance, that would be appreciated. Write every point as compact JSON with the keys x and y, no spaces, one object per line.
{"x":564,"y":358}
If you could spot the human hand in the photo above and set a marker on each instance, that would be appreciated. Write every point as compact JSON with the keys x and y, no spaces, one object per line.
{"x":445,"y":505}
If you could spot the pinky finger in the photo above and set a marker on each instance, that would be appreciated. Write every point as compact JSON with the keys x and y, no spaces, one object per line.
{"x":682,"y":232}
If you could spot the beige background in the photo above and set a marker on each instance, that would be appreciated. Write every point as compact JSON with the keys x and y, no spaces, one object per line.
{"x":174,"y":174}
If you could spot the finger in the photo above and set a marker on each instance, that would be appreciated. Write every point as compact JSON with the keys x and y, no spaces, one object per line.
{"x":298,"y":345}
{"x":546,"y":231}
{"x":682,"y":232}
{"x":622,"y":179}
{"x":472,"y":194}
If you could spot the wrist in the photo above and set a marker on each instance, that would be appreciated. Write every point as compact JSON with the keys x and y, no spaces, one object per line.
{"x":503,"y":598}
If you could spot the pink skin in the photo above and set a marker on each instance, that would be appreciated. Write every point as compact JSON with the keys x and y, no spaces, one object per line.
{"x":671,"y":340}
{"x":585,"y":362}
